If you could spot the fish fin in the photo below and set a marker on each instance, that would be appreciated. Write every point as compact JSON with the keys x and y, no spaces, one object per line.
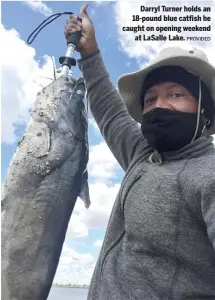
{"x":84,"y":192}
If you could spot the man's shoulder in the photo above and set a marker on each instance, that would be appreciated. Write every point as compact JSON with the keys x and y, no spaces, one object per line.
{"x":200,"y":171}
{"x":206,"y":161}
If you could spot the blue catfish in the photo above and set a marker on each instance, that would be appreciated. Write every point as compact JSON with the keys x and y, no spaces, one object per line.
{"x":46,"y":175}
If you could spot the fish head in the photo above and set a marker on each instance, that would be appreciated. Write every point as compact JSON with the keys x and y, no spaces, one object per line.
{"x":62,"y":106}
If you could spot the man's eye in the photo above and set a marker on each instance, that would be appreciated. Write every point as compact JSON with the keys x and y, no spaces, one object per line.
{"x":177,"y":95}
{"x":148,"y":101}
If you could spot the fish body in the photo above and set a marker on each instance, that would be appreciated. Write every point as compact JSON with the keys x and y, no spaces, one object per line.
{"x":45,"y":177}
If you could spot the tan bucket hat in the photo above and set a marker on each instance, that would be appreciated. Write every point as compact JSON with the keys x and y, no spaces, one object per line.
{"x":194,"y":61}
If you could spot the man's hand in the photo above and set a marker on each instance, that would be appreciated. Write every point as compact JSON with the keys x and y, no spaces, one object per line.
{"x":87,"y":43}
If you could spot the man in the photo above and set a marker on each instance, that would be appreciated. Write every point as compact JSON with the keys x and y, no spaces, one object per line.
{"x":160,"y":240}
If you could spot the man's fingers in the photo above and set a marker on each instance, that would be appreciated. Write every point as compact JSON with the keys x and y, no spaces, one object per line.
{"x":73,"y":19}
{"x":83,"y":11}
{"x":73,"y":22}
{"x":71,"y":28}
{"x":73,"y":16}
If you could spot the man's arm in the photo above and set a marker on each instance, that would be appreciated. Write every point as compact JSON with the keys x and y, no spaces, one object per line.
{"x":119,"y":130}
{"x":208,"y":210}
{"x":198,"y":185}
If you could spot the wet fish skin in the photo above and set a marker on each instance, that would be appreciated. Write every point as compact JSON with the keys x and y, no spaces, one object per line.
{"x":43,"y":181}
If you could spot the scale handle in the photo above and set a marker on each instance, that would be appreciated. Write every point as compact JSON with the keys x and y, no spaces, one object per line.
{"x":74,"y":38}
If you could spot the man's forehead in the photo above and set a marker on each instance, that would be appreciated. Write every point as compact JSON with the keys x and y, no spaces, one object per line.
{"x":167,"y":84}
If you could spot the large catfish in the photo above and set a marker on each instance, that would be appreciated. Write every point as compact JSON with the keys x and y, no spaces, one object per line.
{"x":45,"y":177}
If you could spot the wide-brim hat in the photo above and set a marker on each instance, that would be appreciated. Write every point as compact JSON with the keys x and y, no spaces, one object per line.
{"x":194,"y":61}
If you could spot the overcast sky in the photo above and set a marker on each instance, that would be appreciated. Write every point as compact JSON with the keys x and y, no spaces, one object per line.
{"x":24,"y":69}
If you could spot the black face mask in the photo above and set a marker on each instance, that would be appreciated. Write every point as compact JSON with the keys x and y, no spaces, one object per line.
{"x":168,"y":130}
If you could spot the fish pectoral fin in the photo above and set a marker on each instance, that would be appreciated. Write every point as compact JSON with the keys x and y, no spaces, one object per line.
{"x":84,"y":192}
